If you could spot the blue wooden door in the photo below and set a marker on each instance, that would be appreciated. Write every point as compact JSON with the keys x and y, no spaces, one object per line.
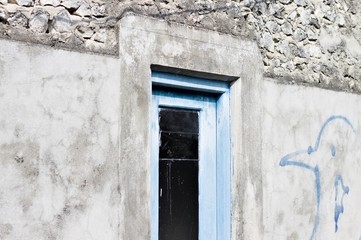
{"x":181,"y":225}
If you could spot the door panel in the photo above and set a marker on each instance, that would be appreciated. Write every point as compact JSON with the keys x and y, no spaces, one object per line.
{"x":178,"y":200}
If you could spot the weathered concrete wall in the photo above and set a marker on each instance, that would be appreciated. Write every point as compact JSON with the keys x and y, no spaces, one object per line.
{"x":312,"y":42}
{"x":311,"y":163}
{"x":67,"y":170}
{"x":58,"y":145}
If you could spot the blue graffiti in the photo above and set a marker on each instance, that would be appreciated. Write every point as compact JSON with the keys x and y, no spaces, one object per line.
{"x":339,"y":198}
{"x":288,"y":160}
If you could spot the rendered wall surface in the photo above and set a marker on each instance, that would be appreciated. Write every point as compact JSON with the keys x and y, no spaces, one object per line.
{"x":58,"y":144}
{"x":311,"y":163}
{"x":74,"y":140}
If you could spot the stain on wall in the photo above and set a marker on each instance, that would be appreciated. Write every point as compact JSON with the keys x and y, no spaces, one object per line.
{"x":58,"y":145}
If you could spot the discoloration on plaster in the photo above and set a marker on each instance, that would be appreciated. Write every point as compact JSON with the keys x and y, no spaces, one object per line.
{"x":280,"y":218}
{"x":305,"y":205}
{"x":25,"y":155}
{"x":59,"y":158}
{"x":5,"y":229}
{"x":293,"y":236}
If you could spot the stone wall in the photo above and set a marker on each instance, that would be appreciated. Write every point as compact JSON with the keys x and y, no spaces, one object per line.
{"x":79,"y":24}
{"x":313,"y":42}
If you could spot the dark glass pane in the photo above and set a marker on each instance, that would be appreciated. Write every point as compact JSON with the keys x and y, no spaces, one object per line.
{"x":178,"y":200}
{"x":178,"y":180}
{"x":178,"y":145}
{"x":178,"y":120}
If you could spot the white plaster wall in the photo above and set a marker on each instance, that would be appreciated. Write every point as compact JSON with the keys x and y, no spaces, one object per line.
{"x":58,"y":144}
{"x":60,"y":176}
{"x":293,"y":118}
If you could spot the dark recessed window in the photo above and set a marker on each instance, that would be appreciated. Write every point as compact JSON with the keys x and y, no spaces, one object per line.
{"x":178,"y":174}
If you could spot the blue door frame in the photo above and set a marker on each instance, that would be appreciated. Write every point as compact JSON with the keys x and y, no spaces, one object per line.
{"x":214,"y":149}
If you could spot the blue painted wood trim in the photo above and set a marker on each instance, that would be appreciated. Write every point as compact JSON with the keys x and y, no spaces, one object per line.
{"x":224,"y":207}
{"x":189,"y":83}
{"x":154,"y":168}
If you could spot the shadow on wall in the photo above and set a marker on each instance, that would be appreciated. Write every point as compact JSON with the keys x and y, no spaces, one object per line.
{"x":333,"y":160}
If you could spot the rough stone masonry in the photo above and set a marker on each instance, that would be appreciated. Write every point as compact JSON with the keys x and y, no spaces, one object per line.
{"x":311,"y":42}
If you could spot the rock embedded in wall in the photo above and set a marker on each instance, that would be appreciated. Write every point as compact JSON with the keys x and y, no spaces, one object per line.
{"x":4,"y":15}
{"x":39,"y":21}
{"x":85,"y":31}
{"x":101,"y":35}
{"x":62,"y":22}
{"x":25,"y":3}
{"x":71,"y":5}
{"x":53,"y":3}
{"x":84,"y":10}
{"x":18,"y":20}
{"x":98,"y":10}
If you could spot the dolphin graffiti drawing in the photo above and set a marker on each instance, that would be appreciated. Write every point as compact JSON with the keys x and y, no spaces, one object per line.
{"x":341,"y":189}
